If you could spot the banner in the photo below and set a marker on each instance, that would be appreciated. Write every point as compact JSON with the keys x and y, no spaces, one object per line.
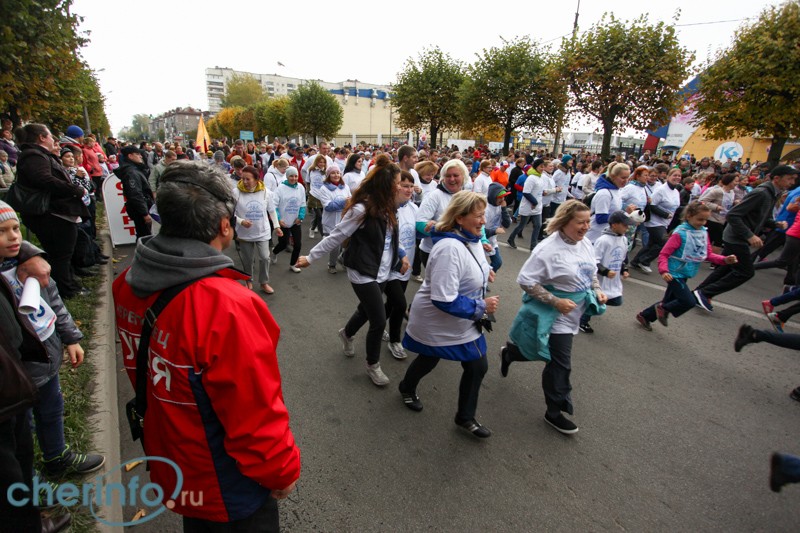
{"x":121,"y":226}
{"x":203,"y":140}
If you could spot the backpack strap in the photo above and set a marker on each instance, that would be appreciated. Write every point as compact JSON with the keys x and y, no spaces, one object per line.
{"x":150,"y":317}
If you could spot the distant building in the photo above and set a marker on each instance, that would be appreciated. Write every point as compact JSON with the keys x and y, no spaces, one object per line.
{"x":368,"y":114}
{"x":176,"y":122}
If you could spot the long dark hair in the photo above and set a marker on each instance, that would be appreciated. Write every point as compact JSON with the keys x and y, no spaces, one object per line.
{"x":350,"y":166}
{"x":377,"y":191}
{"x":30,"y":133}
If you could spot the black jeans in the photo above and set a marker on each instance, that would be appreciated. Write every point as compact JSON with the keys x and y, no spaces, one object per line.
{"x":16,"y":466}
{"x":784,"y":340}
{"x":370,"y":308}
{"x":790,"y":256}
{"x":555,"y":376}
{"x":395,"y":307}
{"x":728,"y":277}
{"x":143,"y":229}
{"x":773,"y":240}
{"x":678,"y":299}
{"x":294,"y":232}
{"x":657,"y":236}
{"x":58,"y":238}
{"x":468,"y":389}
{"x":264,"y":520}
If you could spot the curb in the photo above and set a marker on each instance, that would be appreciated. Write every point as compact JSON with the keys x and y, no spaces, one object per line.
{"x":106,"y":416}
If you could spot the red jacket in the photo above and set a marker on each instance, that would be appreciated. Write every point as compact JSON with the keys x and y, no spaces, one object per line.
{"x":215,"y":405}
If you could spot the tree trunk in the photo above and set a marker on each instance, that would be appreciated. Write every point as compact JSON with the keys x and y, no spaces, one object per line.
{"x":608,"y":131}
{"x":775,"y":151}
{"x":506,"y":139}
{"x":13,"y":113}
{"x":434,"y":132}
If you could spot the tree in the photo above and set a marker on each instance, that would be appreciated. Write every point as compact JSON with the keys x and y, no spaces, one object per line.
{"x":426,"y":92}
{"x":750,"y":87}
{"x":245,"y":119}
{"x":513,"y":87}
{"x":140,"y":127}
{"x":243,"y":91}
{"x":225,"y":122}
{"x":625,"y":74}
{"x":315,"y":111}
{"x":272,"y":116}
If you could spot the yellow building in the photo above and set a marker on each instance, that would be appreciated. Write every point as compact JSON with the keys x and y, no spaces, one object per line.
{"x":754,"y":148}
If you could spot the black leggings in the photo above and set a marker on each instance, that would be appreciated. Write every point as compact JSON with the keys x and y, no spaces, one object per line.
{"x":395,"y":306}
{"x":468,"y":389}
{"x":784,"y":340}
{"x":790,"y":255}
{"x":370,"y":308}
{"x":657,"y":236}
{"x":294,"y":232}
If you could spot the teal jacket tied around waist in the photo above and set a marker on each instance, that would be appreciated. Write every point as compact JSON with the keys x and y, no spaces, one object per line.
{"x":531,"y":328}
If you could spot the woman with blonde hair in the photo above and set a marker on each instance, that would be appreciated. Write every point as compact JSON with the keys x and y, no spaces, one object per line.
{"x":560,"y":283}
{"x":316,"y":177}
{"x":451,"y":308}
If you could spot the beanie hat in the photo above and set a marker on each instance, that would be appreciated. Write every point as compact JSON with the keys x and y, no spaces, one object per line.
{"x":7,"y":212}
{"x":331,"y":169}
{"x":566,"y":159}
{"x":291,"y":171}
{"x":74,"y":132}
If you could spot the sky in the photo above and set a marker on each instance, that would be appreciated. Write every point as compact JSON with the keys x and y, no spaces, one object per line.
{"x":150,"y":56}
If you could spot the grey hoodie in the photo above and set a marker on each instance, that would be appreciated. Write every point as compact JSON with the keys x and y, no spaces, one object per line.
{"x":162,"y":262}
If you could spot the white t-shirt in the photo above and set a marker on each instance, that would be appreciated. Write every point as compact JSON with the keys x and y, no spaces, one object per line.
{"x":353,"y":179}
{"x":589,"y":182}
{"x":481,"y":184}
{"x":604,"y":202}
{"x":666,"y":198}
{"x":326,"y":196}
{"x":453,"y":269}
{"x":563,"y":266}
{"x":257,"y":207}
{"x":433,"y":206}
{"x":533,"y":185}
{"x":407,"y":233}
{"x":610,"y":251}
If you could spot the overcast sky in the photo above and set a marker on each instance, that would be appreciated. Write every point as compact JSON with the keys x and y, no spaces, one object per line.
{"x":152,"y":55}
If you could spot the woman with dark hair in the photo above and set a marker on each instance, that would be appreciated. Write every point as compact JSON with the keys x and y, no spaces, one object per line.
{"x":40,"y":169}
{"x":369,"y":222}
{"x":352,"y":175}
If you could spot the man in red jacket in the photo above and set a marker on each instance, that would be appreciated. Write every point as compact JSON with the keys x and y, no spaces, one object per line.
{"x":214,"y":400}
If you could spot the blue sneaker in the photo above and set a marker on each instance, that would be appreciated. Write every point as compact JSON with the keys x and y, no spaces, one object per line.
{"x":703,"y":301}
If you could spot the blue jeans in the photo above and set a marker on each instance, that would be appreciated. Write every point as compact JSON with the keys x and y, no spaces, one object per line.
{"x":678,"y":299}
{"x":523,"y":221}
{"x":49,"y":418}
{"x":614,"y":302}
{"x":790,"y":467}
{"x":786,"y":298}
{"x":496,"y":261}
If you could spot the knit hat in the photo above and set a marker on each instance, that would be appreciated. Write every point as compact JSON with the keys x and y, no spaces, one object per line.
{"x":331,"y":169}
{"x":566,"y":159}
{"x":291,"y":171}
{"x":74,"y":131}
{"x":7,"y":212}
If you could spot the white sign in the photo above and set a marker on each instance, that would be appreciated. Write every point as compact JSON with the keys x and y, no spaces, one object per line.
{"x":123,"y":230}
{"x":729,"y":151}
{"x":462,"y":144}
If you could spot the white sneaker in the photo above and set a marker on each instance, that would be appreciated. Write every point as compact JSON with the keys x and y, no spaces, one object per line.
{"x":397,"y":350}
{"x":644,"y":268}
{"x":376,"y":375}
{"x":347,"y":344}
{"x":418,"y":279}
{"x":312,"y":234}
{"x":385,"y":336}
{"x":295,"y":269}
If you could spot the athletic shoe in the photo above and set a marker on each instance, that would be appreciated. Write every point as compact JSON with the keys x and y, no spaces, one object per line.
{"x":311,"y":234}
{"x":376,"y":375}
{"x":511,"y":244}
{"x":397,"y":350}
{"x":767,"y":307}
{"x":662,"y":315}
{"x":385,"y":337}
{"x":505,"y":362}
{"x":70,"y":462}
{"x":475,"y":428}
{"x":561,"y":424}
{"x":331,"y":269}
{"x":795,"y":394}
{"x":419,"y":279}
{"x":273,"y":258}
{"x":743,"y":338}
{"x":47,"y":492}
{"x":586,"y":328}
{"x":702,"y":300}
{"x":347,"y":344}
{"x":295,"y":269}
{"x":788,"y":288}
{"x":644,"y":322}
{"x":411,"y":400}
{"x":644,"y":268}
{"x":776,"y":322}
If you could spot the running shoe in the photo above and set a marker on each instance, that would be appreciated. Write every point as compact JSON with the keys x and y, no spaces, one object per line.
{"x":561,"y":424}
{"x":347,"y":344}
{"x":644,"y":268}
{"x":767,"y":307}
{"x":703,"y":301}
{"x":644,"y":322}
{"x":376,"y":375}
{"x":662,"y":315}
{"x":776,"y":322}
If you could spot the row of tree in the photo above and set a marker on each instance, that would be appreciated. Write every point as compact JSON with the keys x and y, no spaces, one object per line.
{"x":620,"y":74}
{"x":43,"y":77}
{"x":309,"y":110}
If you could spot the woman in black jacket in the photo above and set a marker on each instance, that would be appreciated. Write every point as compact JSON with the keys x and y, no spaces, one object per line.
{"x":39,"y":168}
{"x":369,"y":224}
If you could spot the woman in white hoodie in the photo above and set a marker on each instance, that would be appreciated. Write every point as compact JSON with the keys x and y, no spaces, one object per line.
{"x":276,"y":174}
{"x":333,"y":194}
{"x":255,"y":208}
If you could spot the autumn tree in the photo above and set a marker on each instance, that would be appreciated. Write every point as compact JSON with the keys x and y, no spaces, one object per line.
{"x":512,"y":87}
{"x":242,"y":90}
{"x":272,"y":116}
{"x":245,"y":119}
{"x":425,"y":94}
{"x":625,"y":74}
{"x":140,"y":127}
{"x":315,"y":111}
{"x":225,"y":122}
{"x":750,"y":87}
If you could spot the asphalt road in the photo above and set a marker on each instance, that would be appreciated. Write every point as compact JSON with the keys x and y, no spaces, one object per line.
{"x":676,"y":428}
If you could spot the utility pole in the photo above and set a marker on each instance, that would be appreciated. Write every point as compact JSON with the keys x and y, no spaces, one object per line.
{"x":557,"y":138}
